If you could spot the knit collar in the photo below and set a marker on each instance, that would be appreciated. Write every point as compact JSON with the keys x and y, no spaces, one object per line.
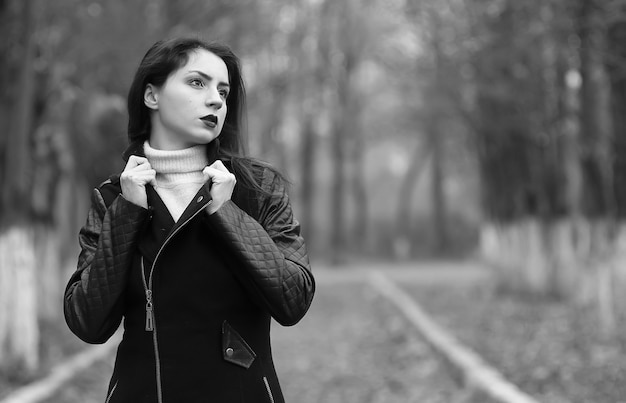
{"x":192,"y":159}
{"x":136,"y":148}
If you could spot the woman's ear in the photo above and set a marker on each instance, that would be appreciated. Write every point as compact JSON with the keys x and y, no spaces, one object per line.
{"x":151,"y":97}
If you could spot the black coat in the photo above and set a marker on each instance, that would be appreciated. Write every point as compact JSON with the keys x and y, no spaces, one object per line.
{"x":196,"y":296}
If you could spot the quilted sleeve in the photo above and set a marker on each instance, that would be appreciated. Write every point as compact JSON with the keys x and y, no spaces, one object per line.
{"x":93,"y":296}
{"x":269,"y":254}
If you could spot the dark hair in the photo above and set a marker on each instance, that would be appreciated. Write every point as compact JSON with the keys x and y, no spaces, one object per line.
{"x":163,"y":59}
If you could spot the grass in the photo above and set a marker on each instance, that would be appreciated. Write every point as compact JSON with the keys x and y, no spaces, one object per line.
{"x":551,"y":350}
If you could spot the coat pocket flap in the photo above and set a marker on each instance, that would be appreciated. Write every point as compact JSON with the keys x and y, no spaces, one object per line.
{"x":234,"y":348}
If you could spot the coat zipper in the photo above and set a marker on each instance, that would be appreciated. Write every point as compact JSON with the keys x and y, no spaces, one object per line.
{"x":269,"y":390}
{"x":150,"y":316}
{"x":150,"y":327}
{"x":112,"y":391}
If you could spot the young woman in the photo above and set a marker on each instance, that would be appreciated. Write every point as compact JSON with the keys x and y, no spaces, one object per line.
{"x":193,"y":245}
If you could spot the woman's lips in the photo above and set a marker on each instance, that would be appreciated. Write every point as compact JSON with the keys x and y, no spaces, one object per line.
{"x":210,"y":120}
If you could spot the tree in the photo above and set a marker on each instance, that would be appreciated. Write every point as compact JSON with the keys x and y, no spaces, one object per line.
{"x":596,"y":157}
{"x":19,"y":334}
{"x":341,"y":69}
{"x":616,"y":65}
{"x":595,"y":119}
{"x":518,"y":99}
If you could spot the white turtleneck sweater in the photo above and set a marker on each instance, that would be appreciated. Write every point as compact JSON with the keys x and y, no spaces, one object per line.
{"x":178,"y":175}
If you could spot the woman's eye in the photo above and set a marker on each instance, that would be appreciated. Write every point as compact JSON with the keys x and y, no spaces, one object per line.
{"x":196,"y":82}
{"x":223,"y":93}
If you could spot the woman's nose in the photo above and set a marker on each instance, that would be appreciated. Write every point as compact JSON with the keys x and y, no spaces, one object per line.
{"x":214,"y":99}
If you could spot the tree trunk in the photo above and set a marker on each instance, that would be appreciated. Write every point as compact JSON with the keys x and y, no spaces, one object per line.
{"x":541,"y":255}
{"x":402,"y":243}
{"x":436,"y":144}
{"x":272,"y":147}
{"x":338,"y":187}
{"x":342,"y":129}
{"x":19,"y":331}
{"x":19,"y":335}
{"x":5,"y":100}
{"x":617,"y":71}
{"x":348,"y":142}
{"x":516,"y":149}
{"x":438,"y":198}
{"x":17,"y":157}
{"x":361,"y":237}
{"x":596,"y":129}
{"x":309,"y":76}
{"x":563,"y":79}
{"x":595,"y":122}
{"x":47,"y":241}
{"x":308,"y":178}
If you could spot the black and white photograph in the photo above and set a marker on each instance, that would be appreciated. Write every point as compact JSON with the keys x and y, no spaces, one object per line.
{"x":312,"y":201}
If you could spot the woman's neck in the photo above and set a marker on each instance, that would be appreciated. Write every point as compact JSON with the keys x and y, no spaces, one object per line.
{"x":165,"y":143}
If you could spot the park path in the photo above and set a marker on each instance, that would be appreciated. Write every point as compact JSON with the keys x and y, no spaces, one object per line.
{"x":353,"y":345}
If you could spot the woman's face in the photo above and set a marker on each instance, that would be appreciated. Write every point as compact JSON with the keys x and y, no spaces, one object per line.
{"x":190,"y":107}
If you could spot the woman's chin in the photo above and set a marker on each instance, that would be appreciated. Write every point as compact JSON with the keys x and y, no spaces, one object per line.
{"x":205,"y":138}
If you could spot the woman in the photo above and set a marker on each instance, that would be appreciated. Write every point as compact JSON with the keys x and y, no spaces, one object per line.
{"x":193,"y":245}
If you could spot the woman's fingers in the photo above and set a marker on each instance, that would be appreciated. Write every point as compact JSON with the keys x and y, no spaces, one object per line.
{"x":139,"y":177}
{"x":222,"y":184}
{"x":210,"y":172}
{"x":142,"y":167}
{"x":219,"y":165}
{"x":135,"y":161}
{"x":138,"y":171}
{"x":137,"y":174}
{"x":137,"y":164}
{"x":218,"y":173}
{"x":146,"y":176}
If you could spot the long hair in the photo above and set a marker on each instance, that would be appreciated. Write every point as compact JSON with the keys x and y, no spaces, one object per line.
{"x":164,"y":58}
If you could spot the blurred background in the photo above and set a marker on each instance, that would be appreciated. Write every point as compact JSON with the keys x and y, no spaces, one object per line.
{"x":490,"y":131}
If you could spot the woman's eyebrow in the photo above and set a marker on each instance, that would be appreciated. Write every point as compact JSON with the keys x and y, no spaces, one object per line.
{"x":208,"y":77}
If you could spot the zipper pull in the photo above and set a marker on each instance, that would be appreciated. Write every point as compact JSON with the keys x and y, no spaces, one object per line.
{"x":149,"y":312}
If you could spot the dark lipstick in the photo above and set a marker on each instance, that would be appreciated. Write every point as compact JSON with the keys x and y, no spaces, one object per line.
{"x":210,"y":120}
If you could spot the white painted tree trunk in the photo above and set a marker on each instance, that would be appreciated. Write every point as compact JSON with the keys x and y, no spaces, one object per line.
{"x":19,"y":331}
{"x":579,"y":261}
{"x":518,"y":253}
{"x":49,"y":275}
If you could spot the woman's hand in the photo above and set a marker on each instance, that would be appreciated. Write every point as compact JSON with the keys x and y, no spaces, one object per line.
{"x":137,"y":174}
{"x":222,"y":185}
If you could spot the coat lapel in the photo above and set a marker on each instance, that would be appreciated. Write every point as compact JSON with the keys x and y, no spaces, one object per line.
{"x":199,"y":201}
{"x":162,"y":224}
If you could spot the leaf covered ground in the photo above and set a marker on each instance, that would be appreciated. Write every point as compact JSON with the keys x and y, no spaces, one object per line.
{"x":553,"y":351}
